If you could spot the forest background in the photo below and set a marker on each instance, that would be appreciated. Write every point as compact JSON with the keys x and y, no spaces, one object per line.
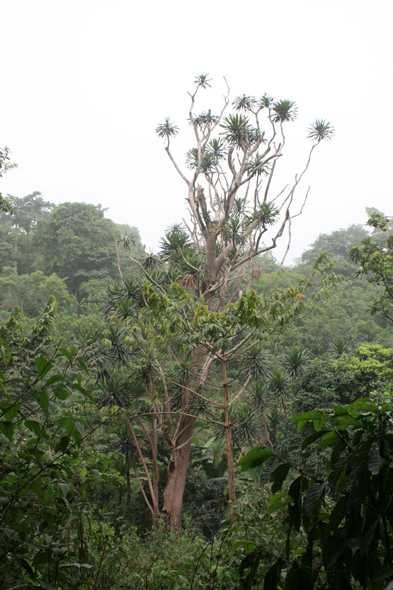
{"x":92,"y":515}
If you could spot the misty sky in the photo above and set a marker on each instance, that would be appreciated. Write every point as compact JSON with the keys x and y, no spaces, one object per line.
{"x":84,"y":84}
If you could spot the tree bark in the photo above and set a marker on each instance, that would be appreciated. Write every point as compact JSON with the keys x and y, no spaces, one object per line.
{"x":177,"y":474}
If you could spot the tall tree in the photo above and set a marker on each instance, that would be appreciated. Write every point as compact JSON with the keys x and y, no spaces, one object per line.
{"x":231,"y":208}
{"x":233,"y":213}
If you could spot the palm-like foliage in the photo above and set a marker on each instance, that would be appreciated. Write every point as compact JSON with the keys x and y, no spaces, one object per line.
{"x":319,"y":130}
{"x":340,"y":346}
{"x":216,"y":147}
{"x":285,"y":110}
{"x":256,"y":166}
{"x":115,"y":390}
{"x":202,"y":81}
{"x":233,"y":231}
{"x":173,"y":240}
{"x":244,"y":103}
{"x":265,"y":101}
{"x":256,"y":362}
{"x":266,"y":214}
{"x":295,"y":361}
{"x":279,"y":381}
{"x":238,"y":131}
{"x":206,"y":120}
{"x":245,"y":425}
{"x":114,"y":336}
{"x":207,"y":162}
{"x":167,"y":129}
{"x":122,"y":300}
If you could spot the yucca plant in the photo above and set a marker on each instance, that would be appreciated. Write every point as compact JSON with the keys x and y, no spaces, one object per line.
{"x":279,"y":381}
{"x":295,"y":361}
{"x":319,"y":130}
{"x":256,"y":363}
{"x":244,"y":103}
{"x":285,"y":110}
{"x":340,"y":346}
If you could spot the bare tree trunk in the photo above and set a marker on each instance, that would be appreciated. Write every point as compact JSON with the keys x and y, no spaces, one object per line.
{"x":228,"y":437}
{"x":177,"y":474}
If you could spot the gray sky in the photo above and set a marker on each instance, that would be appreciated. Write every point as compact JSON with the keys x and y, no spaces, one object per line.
{"x":84,"y":84}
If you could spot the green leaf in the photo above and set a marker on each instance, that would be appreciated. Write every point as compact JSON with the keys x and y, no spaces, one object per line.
{"x":43,"y":401}
{"x":43,"y":366}
{"x":5,"y":352}
{"x":313,"y":495}
{"x":53,"y":379}
{"x":332,"y":548}
{"x":331,"y":438}
{"x":14,"y":535}
{"x":49,"y":515}
{"x":65,"y":488}
{"x":62,"y":445}
{"x":66,"y":353}
{"x":337,"y":515}
{"x":273,"y":576}
{"x":34,"y":426}
{"x":297,"y":579}
{"x":251,"y":562}
{"x":385,"y":572}
{"x":278,"y":501}
{"x":278,"y":476}
{"x":83,"y":365}
{"x":255,"y":457}
{"x":305,"y":417}
{"x":312,"y":438}
{"x":7,"y":428}
{"x":368,"y":537}
{"x":83,"y":472}
{"x":375,"y":461}
{"x":13,"y":411}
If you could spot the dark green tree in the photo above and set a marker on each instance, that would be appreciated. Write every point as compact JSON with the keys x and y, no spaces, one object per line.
{"x":77,"y":243}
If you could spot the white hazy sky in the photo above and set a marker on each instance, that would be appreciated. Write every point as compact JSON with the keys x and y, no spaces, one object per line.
{"x":84,"y":84}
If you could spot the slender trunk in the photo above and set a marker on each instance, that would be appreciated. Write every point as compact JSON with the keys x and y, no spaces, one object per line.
{"x":228,"y":438}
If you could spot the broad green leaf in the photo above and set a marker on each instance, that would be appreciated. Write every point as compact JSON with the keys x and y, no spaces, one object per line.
{"x":43,"y":366}
{"x":332,"y":549}
{"x":34,"y":426}
{"x":272,"y":577}
{"x":255,"y":457}
{"x":43,"y":401}
{"x":13,"y":411}
{"x":278,"y":501}
{"x":53,"y":379}
{"x":83,"y":365}
{"x":83,"y":472}
{"x":368,"y":537}
{"x":65,"y":488}
{"x":5,"y":352}
{"x":278,"y":476}
{"x":375,"y":461}
{"x":7,"y":428}
{"x":331,"y":438}
{"x":14,"y":535}
{"x":312,"y":496}
{"x":312,"y":438}
{"x":298,"y":579}
{"x":62,"y":445}
{"x":337,"y":514}
{"x":385,"y":572}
